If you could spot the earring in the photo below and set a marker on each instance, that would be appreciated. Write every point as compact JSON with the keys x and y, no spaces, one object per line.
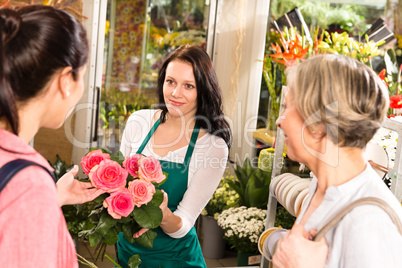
{"x":67,"y":93}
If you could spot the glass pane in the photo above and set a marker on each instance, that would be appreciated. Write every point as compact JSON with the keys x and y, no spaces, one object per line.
{"x":139,"y":34}
{"x":351,"y":18}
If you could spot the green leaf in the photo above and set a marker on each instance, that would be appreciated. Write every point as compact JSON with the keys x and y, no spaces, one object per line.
{"x":128,"y":233}
{"x":239,"y":190}
{"x":95,"y":238}
{"x":391,"y":64}
{"x":125,"y":220}
{"x":86,"y":233}
{"x":148,"y":216}
{"x":157,"y":199}
{"x":146,"y":239}
{"x":119,"y":157}
{"x":111,"y":237}
{"x":134,"y":261}
{"x":105,"y":223}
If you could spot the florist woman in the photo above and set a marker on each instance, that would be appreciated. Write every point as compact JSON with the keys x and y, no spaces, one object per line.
{"x":333,"y":107}
{"x":191,"y":138}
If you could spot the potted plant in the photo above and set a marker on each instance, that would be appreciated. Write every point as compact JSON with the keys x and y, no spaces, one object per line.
{"x":251,"y":184}
{"x":213,"y":244}
{"x":242,"y":227}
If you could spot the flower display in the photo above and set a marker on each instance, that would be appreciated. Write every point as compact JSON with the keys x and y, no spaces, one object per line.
{"x":242,"y":227}
{"x":294,"y":49}
{"x":131,"y":201}
{"x":223,"y":198}
{"x":176,"y":39}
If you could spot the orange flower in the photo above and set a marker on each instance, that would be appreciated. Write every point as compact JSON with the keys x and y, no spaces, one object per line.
{"x":382,"y":75}
{"x":293,"y":51}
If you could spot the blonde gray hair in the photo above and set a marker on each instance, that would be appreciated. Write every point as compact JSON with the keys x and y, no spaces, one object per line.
{"x":344,"y":96}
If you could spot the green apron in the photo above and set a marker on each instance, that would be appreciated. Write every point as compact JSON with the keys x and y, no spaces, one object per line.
{"x":168,"y":252}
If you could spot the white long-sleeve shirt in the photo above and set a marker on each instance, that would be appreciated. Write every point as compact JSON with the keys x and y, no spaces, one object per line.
{"x":206,"y":169}
{"x":366,"y":237}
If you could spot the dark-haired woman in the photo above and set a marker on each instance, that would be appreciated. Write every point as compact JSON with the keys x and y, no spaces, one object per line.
{"x":191,"y":138}
{"x":43,"y":53}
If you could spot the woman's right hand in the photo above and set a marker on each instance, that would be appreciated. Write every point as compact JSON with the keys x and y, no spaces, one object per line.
{"x":296,"y":249}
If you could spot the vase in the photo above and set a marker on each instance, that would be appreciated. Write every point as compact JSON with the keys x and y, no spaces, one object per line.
{"x":248,"y":259}
{"x":213,"y":243}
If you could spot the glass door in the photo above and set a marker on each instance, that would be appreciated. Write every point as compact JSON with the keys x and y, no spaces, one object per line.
{"x":139,"y":34}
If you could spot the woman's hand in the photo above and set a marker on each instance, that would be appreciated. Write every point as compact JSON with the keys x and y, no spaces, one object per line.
{"x":71,"y":191}
{"x":165,"y":211}
{"x":296,"y":249}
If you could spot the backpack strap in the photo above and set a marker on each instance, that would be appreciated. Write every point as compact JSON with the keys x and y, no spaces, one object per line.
{"x":13,"y":167}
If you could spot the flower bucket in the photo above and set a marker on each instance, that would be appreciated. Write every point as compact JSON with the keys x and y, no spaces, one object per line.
{"x":248,"y":259}
{"x":213,"y":244}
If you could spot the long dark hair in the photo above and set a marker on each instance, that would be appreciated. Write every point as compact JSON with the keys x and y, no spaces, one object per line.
{"x":36,"y":41}
{"x":209,"y":113}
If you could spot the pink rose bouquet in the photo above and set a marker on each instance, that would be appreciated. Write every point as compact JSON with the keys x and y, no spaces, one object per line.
{"x":132,"y":197}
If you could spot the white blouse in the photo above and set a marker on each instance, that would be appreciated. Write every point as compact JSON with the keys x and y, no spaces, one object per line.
{"x":206,"y":168}
{"x":366,"y":236}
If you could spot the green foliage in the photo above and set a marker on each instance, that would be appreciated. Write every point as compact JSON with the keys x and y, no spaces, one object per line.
{"x":393,"y":73}
{"x":349,"y":18}
{"x":252,"y":185}
{"x":60,"y":167}
{"x":283,"y":218}
{"x":117,"y":106}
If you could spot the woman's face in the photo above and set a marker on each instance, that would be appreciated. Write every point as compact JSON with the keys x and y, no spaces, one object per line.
{"x":298,"y":137}
{"x":179,"y":89}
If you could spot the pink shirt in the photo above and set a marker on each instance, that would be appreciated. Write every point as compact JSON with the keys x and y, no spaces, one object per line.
{"x":33,"y":231}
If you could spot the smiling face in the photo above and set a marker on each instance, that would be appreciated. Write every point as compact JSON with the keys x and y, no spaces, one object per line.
{"x":179,"y":89}
{"x":297,"y":135}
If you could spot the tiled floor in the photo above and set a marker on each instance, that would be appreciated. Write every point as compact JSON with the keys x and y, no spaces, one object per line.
{"x":229,"y":259}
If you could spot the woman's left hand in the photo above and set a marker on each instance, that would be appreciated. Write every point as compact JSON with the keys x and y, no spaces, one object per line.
{"x":296,"y":249}
{"x":164,"y":209}
{"x":71,"y":191}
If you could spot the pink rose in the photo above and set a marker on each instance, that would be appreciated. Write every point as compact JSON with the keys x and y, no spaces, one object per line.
{"x":150,"y":170}
{"x":142,"y":191}
{"x":92,"y":159}
{"x":119,"y":204}
{"x":131,"y":164}
{"x":108,"y":176}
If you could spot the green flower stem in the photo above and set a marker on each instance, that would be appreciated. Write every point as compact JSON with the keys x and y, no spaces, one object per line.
{"x":115,"y":263}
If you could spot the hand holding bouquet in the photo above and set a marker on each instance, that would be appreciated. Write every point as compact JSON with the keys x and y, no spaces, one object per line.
{"x":131,"y":201}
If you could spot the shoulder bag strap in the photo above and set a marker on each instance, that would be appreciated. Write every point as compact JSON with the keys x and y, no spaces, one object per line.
{"x":364,"y":201}
{"x":13,"y":167}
